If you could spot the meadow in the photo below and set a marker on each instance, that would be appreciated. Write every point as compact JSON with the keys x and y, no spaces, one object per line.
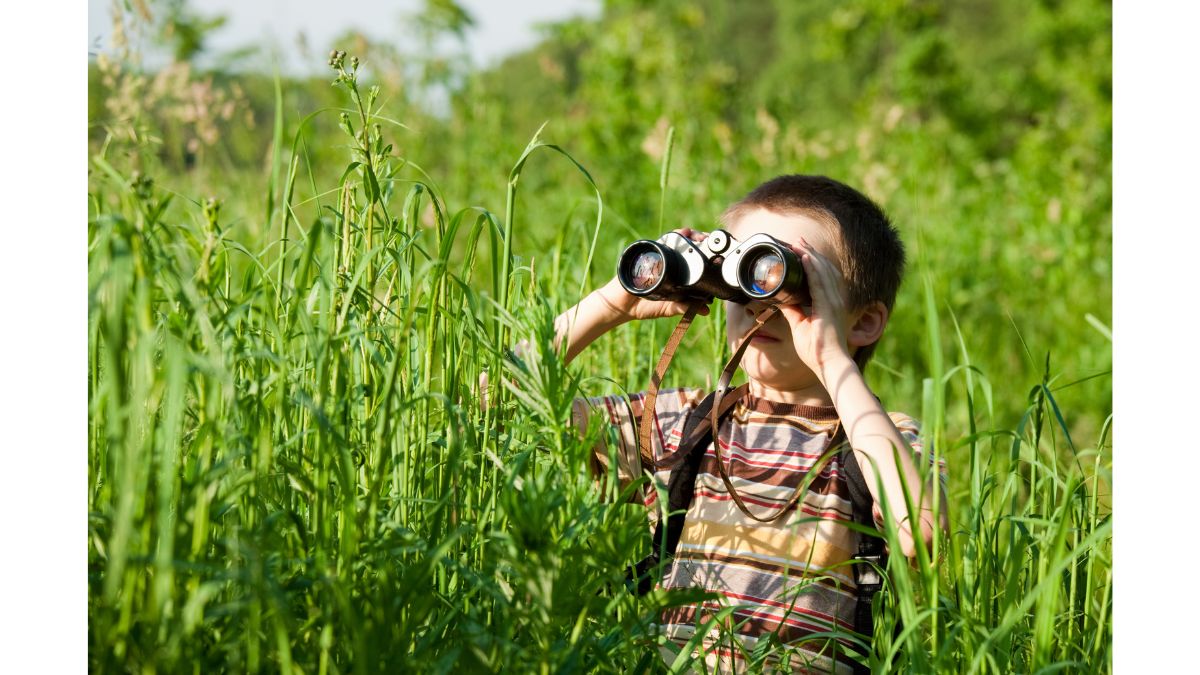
{"x":290,"y":306}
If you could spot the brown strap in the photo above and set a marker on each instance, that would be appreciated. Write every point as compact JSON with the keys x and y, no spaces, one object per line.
{"x":697,"y":430}
{"x":722,"y":400}
{"x":649,"y":414}
{"x":722,"y":387}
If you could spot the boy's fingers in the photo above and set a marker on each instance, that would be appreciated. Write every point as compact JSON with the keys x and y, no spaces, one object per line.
{"x":694,"y":235}
{"x":816,"y":255}
{"x":820,"y":286}
{"x":820,"y":261}
{"x":822,"y":273}
{"x":793,"y":313}
{"x":815,"y":281}
{"x":831,"y":276}
{"x":682,"y":308}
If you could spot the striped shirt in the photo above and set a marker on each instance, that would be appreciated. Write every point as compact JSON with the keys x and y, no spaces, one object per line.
{"x":790,"y":578}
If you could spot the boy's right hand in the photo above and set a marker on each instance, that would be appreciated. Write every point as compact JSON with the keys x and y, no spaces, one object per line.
{"x":628,"y":307}
{"x":610,"y":306}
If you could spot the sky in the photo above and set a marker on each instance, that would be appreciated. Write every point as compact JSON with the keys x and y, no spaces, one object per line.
{"x":501,"y":28}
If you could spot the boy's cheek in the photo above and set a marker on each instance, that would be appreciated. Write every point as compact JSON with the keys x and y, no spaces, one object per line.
{"x":735,"y":316}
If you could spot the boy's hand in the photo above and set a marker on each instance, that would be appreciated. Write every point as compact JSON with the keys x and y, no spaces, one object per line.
{"x":819,"y":335}
{"x":610,"y":306}
{"x":627,"y":307}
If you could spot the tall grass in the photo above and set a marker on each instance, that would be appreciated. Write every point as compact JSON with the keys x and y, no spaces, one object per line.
{"x":290,"y":469}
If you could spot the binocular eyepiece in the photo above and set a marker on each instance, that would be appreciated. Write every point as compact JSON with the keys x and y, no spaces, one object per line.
{"x":677,"y":268}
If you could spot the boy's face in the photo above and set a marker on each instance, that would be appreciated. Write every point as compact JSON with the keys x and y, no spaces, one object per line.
{"x":771,"y":358}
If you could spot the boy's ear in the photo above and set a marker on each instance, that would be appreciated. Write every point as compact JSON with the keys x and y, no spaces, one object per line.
{"x":868,"y":325}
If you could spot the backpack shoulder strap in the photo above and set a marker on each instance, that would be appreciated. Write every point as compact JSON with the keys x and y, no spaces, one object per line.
{"x":697,"y":435}
{"x":860,"y":495}
{"x":871,"y":557}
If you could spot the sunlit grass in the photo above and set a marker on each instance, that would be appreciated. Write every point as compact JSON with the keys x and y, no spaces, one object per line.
{"x":289,"y":468}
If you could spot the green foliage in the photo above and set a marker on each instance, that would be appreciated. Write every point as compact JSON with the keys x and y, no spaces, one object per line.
{"x":983,"y":128}
{"x":289,"y":464}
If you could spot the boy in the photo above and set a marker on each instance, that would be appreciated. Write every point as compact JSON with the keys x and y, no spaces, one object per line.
{"x":790,"y":576}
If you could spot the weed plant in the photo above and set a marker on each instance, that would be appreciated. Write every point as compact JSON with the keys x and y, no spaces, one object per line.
{"x":291,"y":469}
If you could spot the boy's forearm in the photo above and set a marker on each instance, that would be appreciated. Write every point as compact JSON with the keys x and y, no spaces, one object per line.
{"x":873,"y":435}
{"x":594,"y":316}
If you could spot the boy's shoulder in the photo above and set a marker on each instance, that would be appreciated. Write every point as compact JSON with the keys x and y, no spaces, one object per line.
{"x":904,"y":421}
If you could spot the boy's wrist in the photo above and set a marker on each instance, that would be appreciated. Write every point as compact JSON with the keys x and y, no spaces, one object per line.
{"x":612,"y":304}
{"x":580,"y":325}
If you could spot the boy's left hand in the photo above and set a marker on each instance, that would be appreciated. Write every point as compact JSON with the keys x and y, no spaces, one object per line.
{"x":819,"y":331}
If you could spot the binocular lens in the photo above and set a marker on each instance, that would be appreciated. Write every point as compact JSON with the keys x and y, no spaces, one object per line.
{"x":766,"y":273}
{"x":647,"y":269}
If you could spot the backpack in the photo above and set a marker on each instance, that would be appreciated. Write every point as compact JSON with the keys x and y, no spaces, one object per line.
{"x":869,"y":560}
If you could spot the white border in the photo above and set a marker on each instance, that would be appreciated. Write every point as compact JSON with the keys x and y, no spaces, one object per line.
{"x":43,"y":339}
{"x":1156,"y":461}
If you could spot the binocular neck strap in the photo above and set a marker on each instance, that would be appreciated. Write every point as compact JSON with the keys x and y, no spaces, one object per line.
{"x":648,"y":414}
{"x":646,"y":427}
{"x":714,"y":421}
{"x":719,"y":406}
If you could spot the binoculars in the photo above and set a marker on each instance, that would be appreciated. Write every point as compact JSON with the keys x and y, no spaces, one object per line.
{"x":679,"y":269}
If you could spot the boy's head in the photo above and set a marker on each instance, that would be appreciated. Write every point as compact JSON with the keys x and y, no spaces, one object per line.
{"x":848,"y":229}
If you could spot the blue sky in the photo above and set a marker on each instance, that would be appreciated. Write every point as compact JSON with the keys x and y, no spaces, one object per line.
{"x":501,"y":27}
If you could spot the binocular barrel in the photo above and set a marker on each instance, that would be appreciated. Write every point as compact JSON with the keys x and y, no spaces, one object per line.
{"x":673,"y":268}
{"x":676,"y":268}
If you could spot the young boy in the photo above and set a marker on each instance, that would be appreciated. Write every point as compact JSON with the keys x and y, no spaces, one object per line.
{"x":790,"y":576}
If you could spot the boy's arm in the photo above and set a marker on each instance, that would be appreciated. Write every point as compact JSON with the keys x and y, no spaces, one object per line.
{"x":874,"y":436}
{"x":595,"y":315}
{"x":608,"y":307}
{"x":822,"y":340}
{"x":599,"y":312}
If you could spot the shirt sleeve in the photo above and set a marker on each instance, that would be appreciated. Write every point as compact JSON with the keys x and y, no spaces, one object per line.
{"x":624,"y":413}
{"x":910,"y":431}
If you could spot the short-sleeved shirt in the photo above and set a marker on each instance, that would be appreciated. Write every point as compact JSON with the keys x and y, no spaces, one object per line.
{"x":790,"y":577}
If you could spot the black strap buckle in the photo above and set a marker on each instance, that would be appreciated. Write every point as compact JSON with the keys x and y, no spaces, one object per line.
{"x":867,"y":573}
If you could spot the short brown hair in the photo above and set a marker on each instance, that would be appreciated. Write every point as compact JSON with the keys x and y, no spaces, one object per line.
{"x":870,"y":252}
